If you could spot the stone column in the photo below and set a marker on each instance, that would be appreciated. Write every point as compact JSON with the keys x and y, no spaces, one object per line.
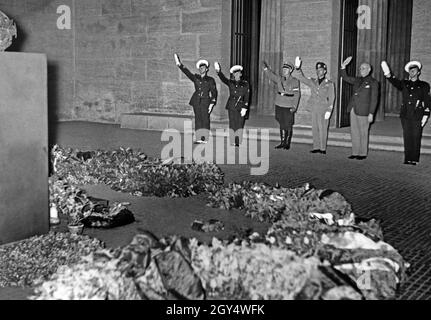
{"x":372,"y":44}
{"x":270,"y":51}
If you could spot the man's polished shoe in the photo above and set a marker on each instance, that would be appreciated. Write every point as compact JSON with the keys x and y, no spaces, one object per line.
{"x":322,"y":152}
{"x":361,"y":158}
{"x":411,"y":163}
{"x":315,"y":151}
{"x":353,"y":157}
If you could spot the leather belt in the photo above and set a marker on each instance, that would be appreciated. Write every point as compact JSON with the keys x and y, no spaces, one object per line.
{"x":286,"y":94}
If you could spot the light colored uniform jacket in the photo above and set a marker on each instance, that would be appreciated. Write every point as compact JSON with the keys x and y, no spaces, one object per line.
{"x":322,"y":97}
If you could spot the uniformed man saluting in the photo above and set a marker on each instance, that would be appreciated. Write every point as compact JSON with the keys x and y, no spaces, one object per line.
{"x":320,"y":104}
{"x":238,"y":102}
{"x":286,"y":102}
{"x":203,"y":99}
{"x":415,"y":110}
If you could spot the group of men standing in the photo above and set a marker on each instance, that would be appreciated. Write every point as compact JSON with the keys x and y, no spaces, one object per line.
{"x":415,"y":110}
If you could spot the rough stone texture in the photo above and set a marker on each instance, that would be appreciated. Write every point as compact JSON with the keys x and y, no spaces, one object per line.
{"x":421,"y":36}
{"x":118,"y":56}
{"x":306,"y":32}
{"x":23,"y":145}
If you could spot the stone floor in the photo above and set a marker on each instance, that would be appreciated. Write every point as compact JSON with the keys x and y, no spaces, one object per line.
{"x":380,"y":187}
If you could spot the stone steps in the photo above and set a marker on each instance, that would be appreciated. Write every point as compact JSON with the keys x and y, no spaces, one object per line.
{"x":302,"y":134}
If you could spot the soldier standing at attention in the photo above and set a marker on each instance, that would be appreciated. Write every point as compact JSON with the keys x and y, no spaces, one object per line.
{"x":238,"y":102}
{"x":415,"y":110}
{"x":362,"y":107}
{"x":320,"y":104}
{"x":203,"y":99}
{"x":286,"y":102}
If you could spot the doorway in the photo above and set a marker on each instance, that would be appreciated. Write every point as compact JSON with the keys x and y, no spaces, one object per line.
{"x":348,"y":48}
{"x":389,"y":39}
{"x":245,"y":42}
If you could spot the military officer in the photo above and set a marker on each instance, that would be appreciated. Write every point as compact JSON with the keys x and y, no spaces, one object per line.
{"x":415,"y":110}
{"x":203,"y":99}
{"x":362,"y":107}
{"x":320,"y":104}
{"x":286,"y":102}
{"x":238,"y":102}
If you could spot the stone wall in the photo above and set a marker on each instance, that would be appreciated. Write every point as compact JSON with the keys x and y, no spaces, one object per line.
{"x":421,"y":36}
{"x":118,"y":56}
{"x":307,"y":29}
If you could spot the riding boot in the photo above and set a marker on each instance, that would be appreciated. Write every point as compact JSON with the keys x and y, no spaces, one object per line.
{"x":283,"y":140}
{"x":288,"y":139}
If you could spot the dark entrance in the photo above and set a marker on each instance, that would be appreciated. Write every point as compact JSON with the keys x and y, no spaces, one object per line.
{"x":245,"y":41}
{"x":389,"y":38}
{"x":348,"y":47}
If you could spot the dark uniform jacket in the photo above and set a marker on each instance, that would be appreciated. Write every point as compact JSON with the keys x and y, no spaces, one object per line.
{"x":365,"y":94}
{"x":205,"y":89}
{"x":416,"y":99}
{"x":239,"y":93}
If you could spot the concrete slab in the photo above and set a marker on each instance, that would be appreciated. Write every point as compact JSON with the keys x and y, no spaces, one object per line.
{"x":23,"y":146}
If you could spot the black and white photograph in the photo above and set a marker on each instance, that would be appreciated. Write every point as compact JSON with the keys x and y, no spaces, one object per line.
{"x":215,"y":155}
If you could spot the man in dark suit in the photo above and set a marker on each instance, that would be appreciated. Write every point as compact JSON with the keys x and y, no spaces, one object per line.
{"x":415,"y":110}
{"x":362,"y":107}
{"x":203,"y":99}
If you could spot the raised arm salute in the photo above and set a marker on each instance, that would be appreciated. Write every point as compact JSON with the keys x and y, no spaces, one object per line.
{"x":203,"y":99}
{"x":362,"y":107}
{"x":286,"y":102}
{"x":320,"y":104}
{"x":415,"y":110}
{"x":238,"y":102}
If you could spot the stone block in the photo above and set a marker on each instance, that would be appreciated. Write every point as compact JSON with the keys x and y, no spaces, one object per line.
{"x":46,"y":6}
{"x":303,"y":15}
{"x":88,"y":8}
{"x":145,"y":96}
{"x":158,"y":122}
{"x":98,"y":99}
{"x":202,"y":21}
{"x":165,"y":22}
{"x":182,"y":4}
{"x":24,"y":196}
{"x":164,"y":70}
{"x":130,"y":69}
{"x":210,"y":46}
{"x":211,"y":3}
{"x":115,"y":7}
{"x":147,"y":7}
{"x":101,"y":26}
{"x":134,"y":121}
{"x":112,"y":47}
{"x":95,"y":69}
{"x":163,"y":47}
{"x":177,"y":123}
{"x":176,"y":96}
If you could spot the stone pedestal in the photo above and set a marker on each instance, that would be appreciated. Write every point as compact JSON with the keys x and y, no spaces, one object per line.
{"x":23,"y":146}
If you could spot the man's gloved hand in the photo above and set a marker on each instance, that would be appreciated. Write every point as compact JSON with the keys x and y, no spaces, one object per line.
{"x":327,"y":115}
{"x":424,"y":121}
{"x":346,"y":63}
{"x":243,"y":112}
{"x":298,"y":63}
{"x":177,"y":60}
{"x":386,"y":69}
{"x":210,"y":108}
{"x":217,"y":67}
